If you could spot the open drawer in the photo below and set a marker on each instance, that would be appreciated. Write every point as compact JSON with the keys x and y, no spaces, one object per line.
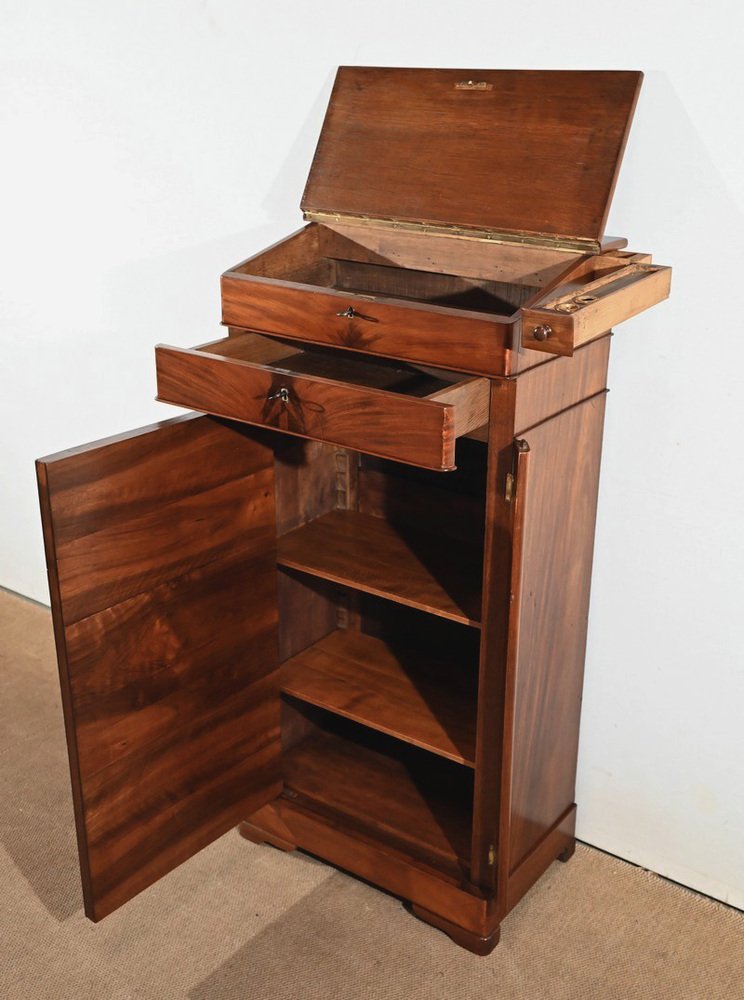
{"x":380,"y":407}
{"x":427,"y":299}
{"x":591,"y":299}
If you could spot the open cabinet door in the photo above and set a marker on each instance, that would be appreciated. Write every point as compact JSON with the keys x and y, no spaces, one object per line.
{"x":160,"y":547}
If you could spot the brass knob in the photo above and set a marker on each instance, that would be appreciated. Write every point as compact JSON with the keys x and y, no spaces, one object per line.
{"x":282,"y":394}
{"x":542,"y":332}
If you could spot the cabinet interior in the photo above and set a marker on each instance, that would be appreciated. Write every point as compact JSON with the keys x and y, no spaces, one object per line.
{"x":390,"y":791}
{"x":475,"y":276}
{"x":379,"y":577}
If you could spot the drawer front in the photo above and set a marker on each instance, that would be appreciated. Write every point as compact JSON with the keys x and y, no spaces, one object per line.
{"x":449,"y":338}
{"x":420,"y":431}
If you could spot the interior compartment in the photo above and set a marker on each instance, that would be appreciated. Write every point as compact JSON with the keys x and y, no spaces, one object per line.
{"x":597,"y":283}
{"x":471,"y":275}
{"x":373,"y":556}
{"x":452,"y":507}
{"x":405,"y":534}
{"x":409,"y":799}
{"x":395,"y":671}
{"x":379,"y":579}
{"x":299,"y":358}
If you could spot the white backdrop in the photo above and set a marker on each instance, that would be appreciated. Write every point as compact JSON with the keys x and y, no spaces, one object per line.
{"x":147,"y":146}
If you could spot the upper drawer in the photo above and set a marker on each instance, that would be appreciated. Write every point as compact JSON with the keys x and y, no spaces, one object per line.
{"x":364,"y":323}
{"x":434,"y":300}
{"x":383,"y":408}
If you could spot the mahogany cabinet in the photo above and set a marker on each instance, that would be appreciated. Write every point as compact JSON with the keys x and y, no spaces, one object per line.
{"x":347,"y":608}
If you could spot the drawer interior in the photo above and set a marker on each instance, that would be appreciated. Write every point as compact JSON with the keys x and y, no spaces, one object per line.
{"x":456,"y":291}
{"x":394,"y":409}
{"x":482,"y":278}
{"x":299,"y":358}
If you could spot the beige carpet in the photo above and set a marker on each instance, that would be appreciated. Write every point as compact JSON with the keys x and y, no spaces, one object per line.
{"x":240,"y":921}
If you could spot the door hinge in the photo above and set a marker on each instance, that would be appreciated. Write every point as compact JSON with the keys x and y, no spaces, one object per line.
{"x":543,"y":241}
{"x":509,"y":487}
{"x":491,"y":855}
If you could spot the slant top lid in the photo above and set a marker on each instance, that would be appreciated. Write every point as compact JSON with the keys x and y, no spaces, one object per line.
{"x":501,"y":151}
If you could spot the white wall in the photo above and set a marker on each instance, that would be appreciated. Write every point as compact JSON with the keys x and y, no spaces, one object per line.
{"x":149,"y":145}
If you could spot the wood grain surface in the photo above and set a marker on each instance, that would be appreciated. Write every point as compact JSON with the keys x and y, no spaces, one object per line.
{"x":547,"y":389}
{"x":371,"y":555}
{"x":161,"y":555}
{"x":516,"y":150}
{"x":527,"y":266}
{"x":415,"y":697}
{"x":403,"y":796}
{"x":393,"y":424}
{"x":370,"y":854}
{"x":414,"y":331}
{"x":451,"y":506}
{"x":556,"y":563}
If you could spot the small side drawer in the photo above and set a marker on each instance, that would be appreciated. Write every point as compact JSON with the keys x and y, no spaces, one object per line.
{"x":586,"y":305}
{"x":382,"y":408}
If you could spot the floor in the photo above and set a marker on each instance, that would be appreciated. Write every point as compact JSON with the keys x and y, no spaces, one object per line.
{"x":241,"y":921}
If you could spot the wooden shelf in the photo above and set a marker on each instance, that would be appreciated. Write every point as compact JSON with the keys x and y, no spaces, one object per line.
{"x":372,"y":555}
{"x":429,"y":703}
{"x":412,"y":800}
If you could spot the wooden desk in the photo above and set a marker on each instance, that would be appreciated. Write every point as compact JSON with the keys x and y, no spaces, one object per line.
{"x":347,"y":607}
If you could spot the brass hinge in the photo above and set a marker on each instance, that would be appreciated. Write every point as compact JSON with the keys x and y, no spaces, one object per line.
{"x":491,"y":855}
{"x":547,"y":241}
{"x":509,"y":487}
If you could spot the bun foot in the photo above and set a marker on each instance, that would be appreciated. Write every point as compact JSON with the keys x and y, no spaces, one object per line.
{"x":568,"y":852}
{"x":258,"y":836}
{"x":477,"y":944}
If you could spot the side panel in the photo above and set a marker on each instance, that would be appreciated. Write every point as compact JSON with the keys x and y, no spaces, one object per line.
{"x":161,"y":553}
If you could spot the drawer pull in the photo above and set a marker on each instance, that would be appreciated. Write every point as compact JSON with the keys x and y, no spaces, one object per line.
{"x":351,"y":313}
{"x":282,"y":394}
{"x":542,"y":332}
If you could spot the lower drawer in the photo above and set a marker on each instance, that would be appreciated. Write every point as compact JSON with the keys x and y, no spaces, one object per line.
{"x":382,"y":408}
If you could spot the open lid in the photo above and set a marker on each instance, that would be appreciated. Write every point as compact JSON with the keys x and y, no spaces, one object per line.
{"x":503,"y":153}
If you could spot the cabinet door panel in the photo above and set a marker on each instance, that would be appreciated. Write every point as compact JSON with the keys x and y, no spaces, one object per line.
{"x":534,"y":629}
{"x":161,"y":553}
{"x":553,"y":608}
